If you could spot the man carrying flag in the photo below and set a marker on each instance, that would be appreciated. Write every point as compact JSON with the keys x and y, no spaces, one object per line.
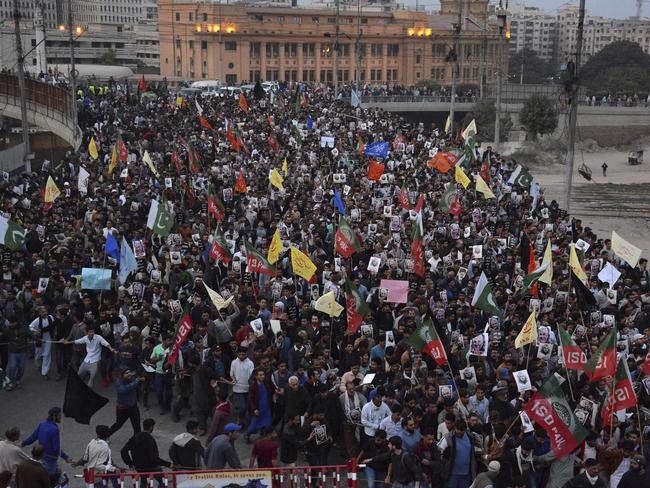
{"x":426,"y":339}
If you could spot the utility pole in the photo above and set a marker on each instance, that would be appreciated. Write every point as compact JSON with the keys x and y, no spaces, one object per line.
{"x":455,"y":67}
{"x":21,"y":86}
{"x":358,"y":47}
{"x":73,"y":72}
{"x":484,"y":56}
{"x":336,"y":50}
{"x":573,"y":112}
{"x":521,"y":73}
{"x":501,"y":18}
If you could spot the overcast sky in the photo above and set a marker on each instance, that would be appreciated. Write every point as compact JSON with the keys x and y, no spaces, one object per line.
{"x":605,"y":8}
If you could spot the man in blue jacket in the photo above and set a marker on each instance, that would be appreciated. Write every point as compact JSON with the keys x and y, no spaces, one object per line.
{"x":48,"y":436}
{"x":127,"y":402}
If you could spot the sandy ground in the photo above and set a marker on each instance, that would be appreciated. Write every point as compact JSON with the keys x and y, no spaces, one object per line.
{"x":620,"y":201}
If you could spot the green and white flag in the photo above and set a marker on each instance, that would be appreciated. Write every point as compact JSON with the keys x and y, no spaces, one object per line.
{"x":521,"y":177}
{"x":12,"y":235}
{"x":483,"y":297}
{"x":532,"y":278}
{"x":160,"y":219}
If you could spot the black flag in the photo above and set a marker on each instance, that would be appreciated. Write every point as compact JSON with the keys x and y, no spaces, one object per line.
{"x":80,"y":402}
{"x":584,"y":297}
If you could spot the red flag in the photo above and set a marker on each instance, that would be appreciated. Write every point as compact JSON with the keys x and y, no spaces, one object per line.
{"x":622,"y":396}
{"x":216,"y":207}
{"x":355,"y":306}
{"x":142,"y":86}
{"x":232,"y":139}
{"x":602,"y":363}
{"x":404,"y":199}
{"x":204,"y":123}
{"x":532,"y":266}
{"x":193,"y":159}
{"x":188,"y":191}
{"x":177,"y":162}
{"x":274,"y":144}
{"x":345,"y":239}
{"x":240,"y":184}
{"x":417,"y":251}
{"x":122,"y":151}
{"x":485,"y":171}
{"x":375,"y":170}
{"x":185,"y":326}
{"x":455,"y":207}
{"x":419,"y":205}
{"x":440,"y":163}
{"x":219,"y":250}
{"x":574,"y":357}
{"x":46,"y":206}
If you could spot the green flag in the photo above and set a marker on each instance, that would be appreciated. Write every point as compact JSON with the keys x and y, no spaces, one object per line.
{"x":532,"y":278}
{"x":602,"y":363}
{"x":447,"y":198}
{"x":12,"y":235}
{"x":355,"y":306}
{"x":160,"y":219}
{"x":521,"y":177}
{"x":426,"y":339}
{"x":483,"y":297}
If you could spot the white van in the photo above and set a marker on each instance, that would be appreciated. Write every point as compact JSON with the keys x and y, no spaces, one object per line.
{"x":207,"y":87}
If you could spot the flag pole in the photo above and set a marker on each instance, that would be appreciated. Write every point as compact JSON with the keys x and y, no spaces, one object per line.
{"x":517,"y":418}
{"x":568,"y":373}
{"x":451,"y":372}
{"x":638,"y":419}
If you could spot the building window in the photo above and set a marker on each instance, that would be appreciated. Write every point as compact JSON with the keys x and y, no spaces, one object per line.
{"x":309,"y":50}
{"x":297,"y":20}
{"x":178,"y":16}
{"x":204,"y":45}
{"x":364,"y":20}
{"x":230,"y":45}
{"x":178,"y":43}
{"x":331,"y":20}
{"x":272,"y":50}
{"x":326,"y":76}
{"x":376,"y":75}
{"x":254,"y":75}
{"x":344,"y":50}
{"x":290,"y":50}
{"x":376,"y":49}
{"x":191,"y":44}
{"x":280,"y":18}
{"x":191,"y":16}
{"x":291,"y":75}
{"x":255,"y":50}
{"x":392,"y":50}
{"x":418,"y":59}
{"x":205,"y":17}
{"x":315,"y":20}
{"x":231,"y":80}
{"x":439,"y":50}
{"x":272,"y":75}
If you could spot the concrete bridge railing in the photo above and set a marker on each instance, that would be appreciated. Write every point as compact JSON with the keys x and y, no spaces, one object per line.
{"x":48,"y":107}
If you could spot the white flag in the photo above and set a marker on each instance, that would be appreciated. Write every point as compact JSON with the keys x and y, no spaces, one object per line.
{"x":82,"y":182}
{"x":199,"y":109}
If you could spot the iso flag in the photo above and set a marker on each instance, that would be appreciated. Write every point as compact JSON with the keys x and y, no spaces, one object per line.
{"x":484,"y":298}
{"x":12,"y":235}
{"x":160,"y":220}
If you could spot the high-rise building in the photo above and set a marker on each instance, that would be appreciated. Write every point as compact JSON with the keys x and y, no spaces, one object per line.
{"x":51,"y":11}
{"x":533,"y":29}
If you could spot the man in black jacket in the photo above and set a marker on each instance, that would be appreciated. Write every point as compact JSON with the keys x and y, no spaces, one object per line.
{"x":186,"y":451}
{"x":141,"y":453}
{"x":404,"y":471}
{"x":588,"y":478}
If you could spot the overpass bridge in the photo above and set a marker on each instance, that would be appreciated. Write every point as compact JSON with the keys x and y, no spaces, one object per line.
{"x":48,"y":107}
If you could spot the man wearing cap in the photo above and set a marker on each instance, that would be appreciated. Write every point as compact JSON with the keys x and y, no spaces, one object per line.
{"x":588,"y":478}
{"x":47,"y":434}
{"x":221,"y":451}
{"x":486,"y":479}
{"x":637,"y":476}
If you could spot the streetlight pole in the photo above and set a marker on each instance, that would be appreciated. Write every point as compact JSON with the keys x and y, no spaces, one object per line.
{"x":573,"y":114}
{"x":358,"y":47}
{"x":455,"y":67}
{"x":73,"y":72}
{"x":21,"y":86}
{"x":501,"y":16}
{"x":336,"y":51}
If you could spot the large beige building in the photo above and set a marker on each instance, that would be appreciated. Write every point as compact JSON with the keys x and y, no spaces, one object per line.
{"x":239,"y":42}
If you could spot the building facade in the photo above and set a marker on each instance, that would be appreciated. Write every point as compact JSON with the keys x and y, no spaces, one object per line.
{"x":243,"y":43}
{"x":533,"y":29}
{"x":51,"y":11}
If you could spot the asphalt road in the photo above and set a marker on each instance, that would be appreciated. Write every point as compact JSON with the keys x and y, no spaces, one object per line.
{"x":28,"y":405}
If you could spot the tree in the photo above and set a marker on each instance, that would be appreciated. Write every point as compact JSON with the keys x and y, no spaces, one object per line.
{"x":538,"y":116}
{"x":536,"y":70}
{"x":619,"y":68}
{"x":108,"y":57}
{"x":485,"y":112}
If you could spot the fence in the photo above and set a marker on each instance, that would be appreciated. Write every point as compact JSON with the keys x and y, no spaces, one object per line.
{"x":337,"y":476}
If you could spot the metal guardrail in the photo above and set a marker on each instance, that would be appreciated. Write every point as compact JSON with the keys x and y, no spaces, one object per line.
{"x":42,"y":98}
{"x":473,"y":99}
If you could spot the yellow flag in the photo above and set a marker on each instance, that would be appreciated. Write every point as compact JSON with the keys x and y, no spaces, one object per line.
{"x":574,"y":262}
{"x":447,"y":124}
{"x":217,"y":299}
{"x":461,"y":177}
{"x":327,"y":304}
{"x":147,"y":160}
{"x":470,"y":130}
{"x":179,"y":101}
{"x":275,"y":249}
{"x":92,"y":149}
{"x":624,"y":250}
{"x":275,"y":179}
{"x":113,"y":162}
{"x":547,"y":277}
{"x":481,"y":186}
{"x":51,"y":191}
{"x":285,"y":167}
{"x":528,"y":332}
{"x":301,"y":264}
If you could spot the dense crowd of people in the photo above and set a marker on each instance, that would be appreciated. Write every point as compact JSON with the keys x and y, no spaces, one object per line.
{"x":262,"y":363}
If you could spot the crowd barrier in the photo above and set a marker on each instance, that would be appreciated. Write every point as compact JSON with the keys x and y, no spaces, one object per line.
{"x":335,"y":476}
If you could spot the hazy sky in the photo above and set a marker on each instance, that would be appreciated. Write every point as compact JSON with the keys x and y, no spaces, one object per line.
{"x":605,"y":8}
